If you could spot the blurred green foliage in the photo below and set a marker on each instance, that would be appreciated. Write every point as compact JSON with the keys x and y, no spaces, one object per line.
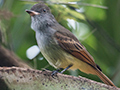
{"x":98,"y":29}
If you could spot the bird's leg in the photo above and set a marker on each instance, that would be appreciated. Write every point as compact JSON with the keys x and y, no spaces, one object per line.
{"x":66,"y":68}
{"x":63,"y":70}
{"x":56,"y":71}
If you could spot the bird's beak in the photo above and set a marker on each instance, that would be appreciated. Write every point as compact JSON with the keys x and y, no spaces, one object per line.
{"x":31,"y":12}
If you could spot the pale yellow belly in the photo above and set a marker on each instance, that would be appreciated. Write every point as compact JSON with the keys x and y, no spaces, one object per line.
{"x":66,"y":59}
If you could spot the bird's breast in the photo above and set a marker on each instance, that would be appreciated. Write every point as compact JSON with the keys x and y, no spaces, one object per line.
{"x":54,"y":54}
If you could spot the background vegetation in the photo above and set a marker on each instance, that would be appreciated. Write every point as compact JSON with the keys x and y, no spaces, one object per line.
{"x":96,"y":23}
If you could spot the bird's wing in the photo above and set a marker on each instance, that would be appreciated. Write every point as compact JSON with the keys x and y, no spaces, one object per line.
{"x":74,"y":47}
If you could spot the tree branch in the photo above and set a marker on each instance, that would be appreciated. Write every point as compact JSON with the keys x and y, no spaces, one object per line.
{"x":29,"y":79}
{"x":69,"y":3}
{"x":9,"y":59}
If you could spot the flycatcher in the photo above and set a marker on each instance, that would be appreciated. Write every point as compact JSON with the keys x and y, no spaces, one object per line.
{"x":59,"y":46}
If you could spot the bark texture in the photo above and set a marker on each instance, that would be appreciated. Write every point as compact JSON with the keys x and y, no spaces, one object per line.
{"x":18,"y":78}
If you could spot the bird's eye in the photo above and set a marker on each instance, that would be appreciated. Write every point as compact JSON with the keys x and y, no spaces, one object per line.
{"x":44,"y":10}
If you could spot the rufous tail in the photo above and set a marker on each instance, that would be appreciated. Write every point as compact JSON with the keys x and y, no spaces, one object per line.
{"x":104,"y":78}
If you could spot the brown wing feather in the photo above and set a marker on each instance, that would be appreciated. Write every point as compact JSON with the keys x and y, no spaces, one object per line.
{"x":75,"y":48}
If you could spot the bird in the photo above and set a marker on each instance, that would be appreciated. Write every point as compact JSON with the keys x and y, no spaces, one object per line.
{"x":59,"y":46}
